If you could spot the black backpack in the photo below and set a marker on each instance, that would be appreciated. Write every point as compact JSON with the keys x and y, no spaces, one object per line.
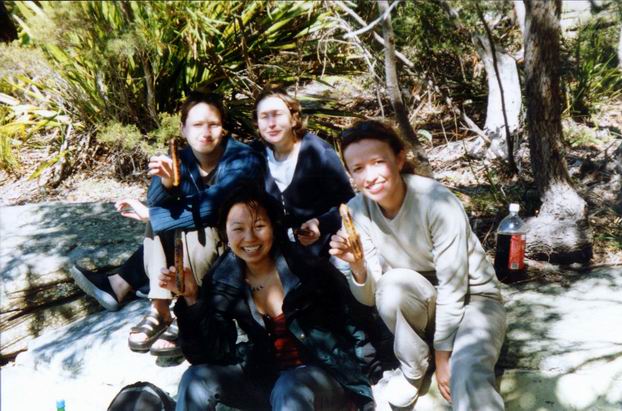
{"x":142,"y":396}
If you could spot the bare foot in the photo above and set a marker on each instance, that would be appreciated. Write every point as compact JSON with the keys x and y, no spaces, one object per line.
{"x":162,"y":344}
{"x":161,"y":309}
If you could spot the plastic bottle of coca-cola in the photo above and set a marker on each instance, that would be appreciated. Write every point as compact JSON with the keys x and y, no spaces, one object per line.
{"x":510,"y":254}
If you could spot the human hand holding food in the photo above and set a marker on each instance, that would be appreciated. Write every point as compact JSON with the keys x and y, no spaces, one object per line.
{"x":341,"y":248}
{"x":168,"y":281}
{"x":350,"y":231}
{"x":172,"y":144}
{"x":346,"y":245}
{"x":309,"y":232}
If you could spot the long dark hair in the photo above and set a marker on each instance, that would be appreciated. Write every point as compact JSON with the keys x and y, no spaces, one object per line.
{"x":376,"y":130}
{"x":295,"y":109}
{"x":255,"y":197}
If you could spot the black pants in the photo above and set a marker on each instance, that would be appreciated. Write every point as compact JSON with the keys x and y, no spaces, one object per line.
{"x":133,"y":272}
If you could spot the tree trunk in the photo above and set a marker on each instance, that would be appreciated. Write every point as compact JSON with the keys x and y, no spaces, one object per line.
{"x":495,"y":127}
{"x":617,"y":168}
{"x":393,"y":90}
{"x":150,"y":85}
{"x":561,"y":231}
{"x":150,"y":80}
{"x":519,"y":14}
{"x":503,"y":82}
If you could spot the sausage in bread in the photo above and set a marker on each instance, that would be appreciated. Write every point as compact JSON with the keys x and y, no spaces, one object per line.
{"x":353,"y":237}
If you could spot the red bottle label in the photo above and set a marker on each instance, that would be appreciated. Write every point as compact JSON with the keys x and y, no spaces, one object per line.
{"x":516,"y":260}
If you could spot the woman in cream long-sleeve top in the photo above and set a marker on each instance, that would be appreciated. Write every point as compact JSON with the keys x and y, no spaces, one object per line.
{"x":425,"y":270}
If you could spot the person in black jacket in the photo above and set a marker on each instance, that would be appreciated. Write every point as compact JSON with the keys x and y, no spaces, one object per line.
{"x":301,"y":351}
{"x":305,"y":175}
{"x":303,"y":172}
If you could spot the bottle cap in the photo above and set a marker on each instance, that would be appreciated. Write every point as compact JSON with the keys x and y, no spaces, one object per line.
{"x":514,"y":208}
{"x":60,"y":404}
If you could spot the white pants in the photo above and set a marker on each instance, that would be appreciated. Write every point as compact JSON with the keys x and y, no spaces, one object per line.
{"x":406,"y":302}
{"x":201,"y":248}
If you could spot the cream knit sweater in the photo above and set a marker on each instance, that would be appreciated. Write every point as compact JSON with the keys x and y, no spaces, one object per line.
{"x":431,"y":235}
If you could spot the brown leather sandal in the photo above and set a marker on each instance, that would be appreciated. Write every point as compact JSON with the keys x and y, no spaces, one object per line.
{"x":151,"y":325}
{"x":171,"y":334}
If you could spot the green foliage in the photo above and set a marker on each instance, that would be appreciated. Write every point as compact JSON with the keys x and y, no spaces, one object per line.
{"x":128,"y":138}
{"x":428,"y":37}
{"x":117,"y":135}
{"x":27,"y":108}
{"x":127,"y":64}
{"x":47,"y":164}
{"x":591,"y":75}
{"x":424,"y":135}
{"x":611,"y":235}
{"x":8,"y":158}
{"x":580,"y":135}
{"x":128,"y":61}
{"x":158,"y":138}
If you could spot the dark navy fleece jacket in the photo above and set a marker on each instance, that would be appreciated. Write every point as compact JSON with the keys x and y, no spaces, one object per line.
{"x":320,"y":184}
{"x":195,"y":204}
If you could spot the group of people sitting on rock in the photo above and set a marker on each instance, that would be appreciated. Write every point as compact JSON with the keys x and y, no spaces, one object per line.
{"x":279,"y":310}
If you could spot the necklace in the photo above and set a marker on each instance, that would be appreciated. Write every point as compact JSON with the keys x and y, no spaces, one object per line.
{"x":260,"y":286}
{"x":256,"y":288}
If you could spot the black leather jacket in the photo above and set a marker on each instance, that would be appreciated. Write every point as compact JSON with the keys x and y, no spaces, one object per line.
{"x":314,"y":313}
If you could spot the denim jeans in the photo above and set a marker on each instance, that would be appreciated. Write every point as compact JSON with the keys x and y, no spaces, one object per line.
{"x":204,"y":387}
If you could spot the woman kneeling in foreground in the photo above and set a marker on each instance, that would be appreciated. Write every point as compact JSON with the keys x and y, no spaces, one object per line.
{"x":415,"y":235}
{"x":300,"y":353}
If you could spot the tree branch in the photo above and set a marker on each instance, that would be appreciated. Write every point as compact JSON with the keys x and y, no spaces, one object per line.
{"x":373,"y":23}
{"x":474,"y":127}
{"x":377,"y":37}
{"x":508,"y":135}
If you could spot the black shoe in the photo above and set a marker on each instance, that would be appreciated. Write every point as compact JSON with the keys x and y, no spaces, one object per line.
{"x":97,"y":286}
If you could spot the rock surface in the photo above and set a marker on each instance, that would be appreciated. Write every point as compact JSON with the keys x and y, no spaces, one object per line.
{"x":563,"y":349}
{"x":85,"y":363}
{"x":563,"y":352}
{"x":38,"y":243}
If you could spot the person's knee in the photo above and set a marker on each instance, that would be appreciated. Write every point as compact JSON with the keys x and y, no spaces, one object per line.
{"x":389,"y":304}
{"x":291,"y":393}
{"x":404,"y":291}
{"x":199,"y":387}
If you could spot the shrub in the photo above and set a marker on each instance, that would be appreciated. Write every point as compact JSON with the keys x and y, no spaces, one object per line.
{"x":127,"y":64}
{"x":591,"y":74}
{"x":124,"y":136}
